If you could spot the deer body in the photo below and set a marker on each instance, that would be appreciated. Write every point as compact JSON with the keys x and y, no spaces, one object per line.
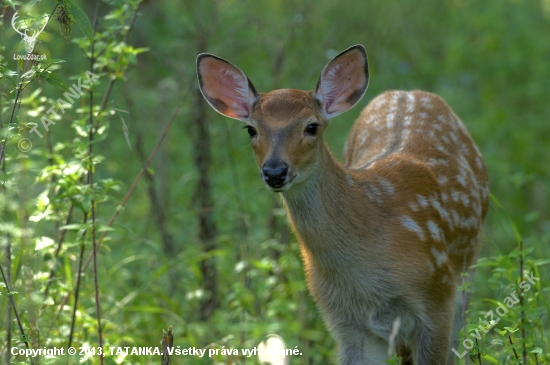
{"x":385,"y":236}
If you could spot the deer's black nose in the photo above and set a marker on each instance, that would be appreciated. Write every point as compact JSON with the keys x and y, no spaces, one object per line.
{"x":274,"y":173}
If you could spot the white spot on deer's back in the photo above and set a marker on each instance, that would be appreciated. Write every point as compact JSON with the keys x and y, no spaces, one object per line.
{"x":465,"y":200}
{"x":410,"y":102}
{"x":455,"y":195}
{"x":380,"y":101}
{"x":475,"y":194}
{"x":422,"y":201}
{"x":463,"y":162}
{"x":478,"y":162}
{"x":434,"y":230}
{"x":485,"y":192}
{"x":412,"y":226}
{"x":437,"y":161}
{"x":431,"y":267}
{"x":442,"y":212}
{"x":442,"y":180}
{"x":426,"y":102}
{"x":441,"y":149}
{"x":456,"y":217}
{"x":453,"y":137}
{"x":470,"y":222}
{"x":440,"y":257}
{"x":373,"y":193}
{"x":386,"y":186}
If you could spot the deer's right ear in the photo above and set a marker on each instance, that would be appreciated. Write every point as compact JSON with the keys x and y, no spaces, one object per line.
{"x":225,"y":87}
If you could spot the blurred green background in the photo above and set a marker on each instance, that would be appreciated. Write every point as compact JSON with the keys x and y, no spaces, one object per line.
{"x":490,"y":60}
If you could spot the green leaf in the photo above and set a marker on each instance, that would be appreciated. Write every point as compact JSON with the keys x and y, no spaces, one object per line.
{"x":29,"y":73}
{"x":71,"y":227}
{"x":55,"y":60}
{"x":145,"y":309}
{"x":56,"y":81}
{"x":81,"y":20}
{"x":541,"y":262}
{"x":10,"y":3}
{"x":32,"y":3}
{"x":43,"y":242}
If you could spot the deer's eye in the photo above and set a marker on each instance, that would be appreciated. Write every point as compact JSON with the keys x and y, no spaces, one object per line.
{"x":251,"y":131}
{"x":312,"y":129}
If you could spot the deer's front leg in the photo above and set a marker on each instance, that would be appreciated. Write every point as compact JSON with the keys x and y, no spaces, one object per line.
{"x":357,"y":346}
{"x":432,"y":345}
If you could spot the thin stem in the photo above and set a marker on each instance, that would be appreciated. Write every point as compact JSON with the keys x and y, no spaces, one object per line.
{"x":60,"y":308}
{"x":463,"y":309}
{"x":58,"y":249}
{"x":167,"y":343}
{"x":8,"y":309}
{"x":513,"y":348}
{"x":522,"y":304}
{"x":5,"y":141}
{"x":12,"y":302}
{"x":91,"y":184}
{"x":77,"y":290}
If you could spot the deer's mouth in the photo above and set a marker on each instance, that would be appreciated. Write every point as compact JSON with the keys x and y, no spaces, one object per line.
{"x":278,"y":183}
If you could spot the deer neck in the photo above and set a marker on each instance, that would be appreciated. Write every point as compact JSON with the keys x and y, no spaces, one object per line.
{"x":331,"y":198}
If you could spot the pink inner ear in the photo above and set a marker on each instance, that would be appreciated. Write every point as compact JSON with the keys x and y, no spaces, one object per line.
{"x":225,"y":87}
{"x":336,"y":82}
{"x":342,"y":82}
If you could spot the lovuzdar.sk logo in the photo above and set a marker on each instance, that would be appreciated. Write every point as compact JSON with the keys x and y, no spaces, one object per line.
{"x":34,"y":29}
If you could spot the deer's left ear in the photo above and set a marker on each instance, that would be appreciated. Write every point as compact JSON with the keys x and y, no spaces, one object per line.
{"x":343,"y":81}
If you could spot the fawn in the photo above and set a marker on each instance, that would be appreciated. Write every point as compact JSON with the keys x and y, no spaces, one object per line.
{"x":385,"y":235}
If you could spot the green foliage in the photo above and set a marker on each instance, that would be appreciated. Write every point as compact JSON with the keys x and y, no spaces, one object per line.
{"x":487,"y":59}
